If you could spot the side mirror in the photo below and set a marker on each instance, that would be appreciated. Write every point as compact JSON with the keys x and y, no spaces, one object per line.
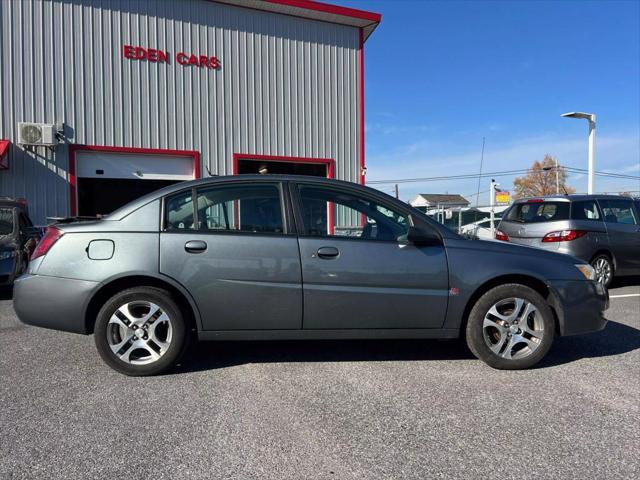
{"x":423,"y":237}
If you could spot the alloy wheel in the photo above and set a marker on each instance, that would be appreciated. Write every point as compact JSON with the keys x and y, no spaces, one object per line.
{"x":139,"y":332}
{"x":603,"y":269}
{"x":513,"y":328}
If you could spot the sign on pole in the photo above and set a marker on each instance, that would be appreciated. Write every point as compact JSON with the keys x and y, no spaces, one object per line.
{"x":502,"y":198}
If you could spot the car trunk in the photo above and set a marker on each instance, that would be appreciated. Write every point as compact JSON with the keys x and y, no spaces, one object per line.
{"x":531,"y":233}
{"x":527,"y":223}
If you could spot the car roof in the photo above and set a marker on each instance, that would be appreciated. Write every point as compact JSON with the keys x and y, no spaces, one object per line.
{"x":219,"y":180}
{"x":573,"y":197}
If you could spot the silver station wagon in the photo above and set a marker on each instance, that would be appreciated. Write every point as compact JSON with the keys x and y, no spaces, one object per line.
{"x":603,"y":230}
{"x":286,"y":257}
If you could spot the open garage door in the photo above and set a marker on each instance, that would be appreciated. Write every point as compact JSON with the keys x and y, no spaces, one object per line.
{"x":107,"y":178}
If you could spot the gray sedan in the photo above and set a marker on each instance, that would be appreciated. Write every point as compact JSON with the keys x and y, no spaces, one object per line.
{"x":286,"y":257}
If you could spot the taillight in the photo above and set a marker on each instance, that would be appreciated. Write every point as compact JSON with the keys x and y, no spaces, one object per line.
{"x":563,"y":236}
{"x":51,"y":236}
{"x":500,"y":235}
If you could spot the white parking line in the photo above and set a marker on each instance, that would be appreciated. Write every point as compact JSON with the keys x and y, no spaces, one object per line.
{"x":625,"y":295}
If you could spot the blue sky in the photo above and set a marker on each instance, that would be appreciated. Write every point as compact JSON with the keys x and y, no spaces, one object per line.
{"x":440,"y":75}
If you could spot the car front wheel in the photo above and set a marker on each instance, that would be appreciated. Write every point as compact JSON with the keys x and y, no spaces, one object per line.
{"x":140,"y":331}
{"x":510,"y":327}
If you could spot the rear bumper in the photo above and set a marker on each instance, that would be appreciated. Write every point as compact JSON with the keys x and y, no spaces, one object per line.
{"x":580,"y":306}
{"x":52,"y":302}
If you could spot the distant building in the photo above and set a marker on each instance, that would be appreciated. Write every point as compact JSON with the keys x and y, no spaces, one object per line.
{"x":428,"y":202}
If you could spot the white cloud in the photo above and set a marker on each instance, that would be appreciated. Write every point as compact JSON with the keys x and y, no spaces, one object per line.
{"x":619,"y":153}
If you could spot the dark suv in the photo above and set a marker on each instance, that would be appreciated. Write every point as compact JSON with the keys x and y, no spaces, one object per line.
{"x":17,"y":239}
{"x":604,"y":230}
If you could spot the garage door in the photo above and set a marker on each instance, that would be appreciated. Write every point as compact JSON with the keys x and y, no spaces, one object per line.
{"x":90,"y":164}
{"x":108,"y":180}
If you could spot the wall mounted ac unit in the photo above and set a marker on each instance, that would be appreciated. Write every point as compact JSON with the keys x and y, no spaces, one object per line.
{"x":37,"y":134}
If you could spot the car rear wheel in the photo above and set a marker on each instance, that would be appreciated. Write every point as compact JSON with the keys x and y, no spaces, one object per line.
{"x":603,"y":266}
{"x":510,"y":327}
{"x":140,"y":331}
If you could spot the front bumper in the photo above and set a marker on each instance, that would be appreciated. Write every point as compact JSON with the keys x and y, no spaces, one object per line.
{"x":52,"y":302}
{"x":580,"y":306}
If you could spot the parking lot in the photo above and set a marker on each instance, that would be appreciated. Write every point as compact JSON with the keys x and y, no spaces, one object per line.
{"x":351,"y":409}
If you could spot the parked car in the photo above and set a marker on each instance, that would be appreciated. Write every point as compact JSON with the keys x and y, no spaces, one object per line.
{"x":480,"y":229}
{"x":17,"y":239}
{"x":603,"y":230}
{"x":258,"y":257}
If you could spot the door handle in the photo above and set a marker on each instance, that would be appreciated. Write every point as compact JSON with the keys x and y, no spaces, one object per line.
{"x":328,"y":252}
{"x":195,"y":246}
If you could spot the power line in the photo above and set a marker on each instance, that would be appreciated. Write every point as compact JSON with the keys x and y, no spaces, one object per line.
{"x":503,"y":173}
{"x":450,"y":177}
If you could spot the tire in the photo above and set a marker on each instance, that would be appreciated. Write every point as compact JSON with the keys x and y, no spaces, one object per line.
{"x":134,"y":338}
{"x":507,"y":340}
{"x":603,"y":266}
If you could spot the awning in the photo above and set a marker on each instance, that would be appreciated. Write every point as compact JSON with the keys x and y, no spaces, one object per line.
{"x":4,"y":150}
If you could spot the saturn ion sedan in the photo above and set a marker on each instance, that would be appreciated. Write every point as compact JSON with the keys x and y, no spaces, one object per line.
{"x":289,"y":257}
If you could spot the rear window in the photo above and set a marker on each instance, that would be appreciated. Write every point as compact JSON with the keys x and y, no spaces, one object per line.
{"x":6,"y":221}
{"x":536,"y":212}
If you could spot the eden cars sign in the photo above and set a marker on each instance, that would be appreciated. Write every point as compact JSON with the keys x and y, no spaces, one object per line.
{"x":163,"y":56}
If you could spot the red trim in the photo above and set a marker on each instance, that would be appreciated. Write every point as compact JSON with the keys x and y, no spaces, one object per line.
{"x":73,"y":148}
{"x":361,"y":105}
{"x":4,"y":148}
{"x":332,"y":9}
{"x":329,"y":162}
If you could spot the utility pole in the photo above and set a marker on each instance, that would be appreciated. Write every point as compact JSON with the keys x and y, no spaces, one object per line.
{"x":557,"y":178}
{"x":397,"y":191}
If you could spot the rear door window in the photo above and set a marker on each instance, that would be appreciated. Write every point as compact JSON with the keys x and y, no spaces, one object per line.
{"x":618,"y":211}
{"x":536,"y":212}
{"x":585,"y":210}
{"x":255,"y":208}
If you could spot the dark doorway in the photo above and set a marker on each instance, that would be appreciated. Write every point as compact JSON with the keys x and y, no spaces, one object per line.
{"x":101,"y":196}
{"x":280,"y":167}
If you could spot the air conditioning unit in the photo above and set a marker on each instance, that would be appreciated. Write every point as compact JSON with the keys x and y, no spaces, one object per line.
{"x":37,"y":134}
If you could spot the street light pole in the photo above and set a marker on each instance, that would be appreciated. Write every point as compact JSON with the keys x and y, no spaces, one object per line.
{"x":557,"y":178}
{"x":591,"y":117}
{"x":592,"y":147}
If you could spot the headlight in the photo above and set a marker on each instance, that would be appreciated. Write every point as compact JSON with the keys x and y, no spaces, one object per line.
{"x":587,"y":270}
{"x":5,"y":255}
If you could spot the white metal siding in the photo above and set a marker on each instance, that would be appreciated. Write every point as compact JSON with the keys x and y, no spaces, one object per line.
{"x":286,"y":86}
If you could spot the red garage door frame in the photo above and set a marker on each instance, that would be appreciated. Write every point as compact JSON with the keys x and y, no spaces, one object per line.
{"x":329,"y":162}
{"x":73,"y":148}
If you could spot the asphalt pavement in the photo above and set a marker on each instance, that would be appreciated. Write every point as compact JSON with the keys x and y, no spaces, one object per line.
{"x":325,"y":410}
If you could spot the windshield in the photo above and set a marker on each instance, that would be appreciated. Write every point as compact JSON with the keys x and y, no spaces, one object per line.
{"x":535,"y":212}
{"x":6,"y":221}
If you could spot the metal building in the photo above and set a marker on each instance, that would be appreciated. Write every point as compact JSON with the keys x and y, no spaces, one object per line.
{"x":104,"y":100}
